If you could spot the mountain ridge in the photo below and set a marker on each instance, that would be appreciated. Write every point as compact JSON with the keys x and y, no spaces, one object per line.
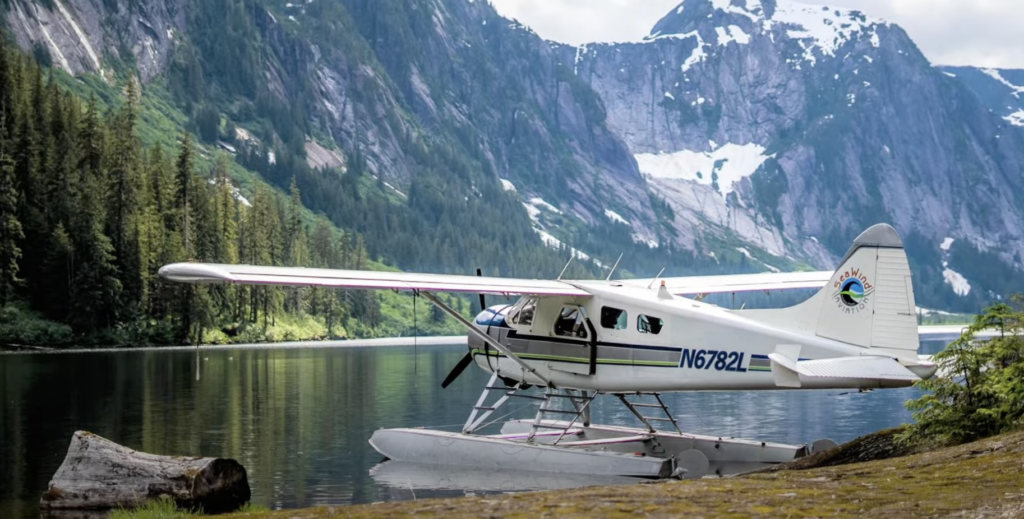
{"x":740,"y":135}
{"x":728,"y":92}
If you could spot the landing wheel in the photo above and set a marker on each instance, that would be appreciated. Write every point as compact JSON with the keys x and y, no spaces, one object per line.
{"x":691,"y":464}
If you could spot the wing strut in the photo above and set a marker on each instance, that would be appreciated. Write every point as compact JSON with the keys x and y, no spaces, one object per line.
{"x":484,"y":337}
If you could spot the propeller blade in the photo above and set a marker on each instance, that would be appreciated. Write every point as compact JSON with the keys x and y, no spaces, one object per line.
{"x":457,"y":370}
{"x":483,"y":304}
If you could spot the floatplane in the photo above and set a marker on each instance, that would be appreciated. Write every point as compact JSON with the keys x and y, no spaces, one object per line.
{"x":635,"y":339}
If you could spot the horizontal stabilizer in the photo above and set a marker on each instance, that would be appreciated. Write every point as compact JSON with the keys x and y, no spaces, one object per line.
{"x":842,"y":372}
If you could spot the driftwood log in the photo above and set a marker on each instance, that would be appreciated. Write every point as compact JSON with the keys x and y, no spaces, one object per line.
{"x":99,"y":474}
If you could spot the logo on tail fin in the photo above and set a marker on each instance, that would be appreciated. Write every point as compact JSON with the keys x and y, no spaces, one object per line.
{"x":852,"y":291}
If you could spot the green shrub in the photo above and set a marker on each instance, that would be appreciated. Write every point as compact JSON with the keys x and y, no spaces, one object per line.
{"x":19,"y":325}
{"x":979,"y":390}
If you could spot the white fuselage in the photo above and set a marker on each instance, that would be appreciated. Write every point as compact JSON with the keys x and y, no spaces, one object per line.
{"x":698,"y":346}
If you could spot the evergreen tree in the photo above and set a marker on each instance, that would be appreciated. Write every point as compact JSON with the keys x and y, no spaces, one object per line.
{"x":124,"y":197}
{"x":88,"y":215}
{"x":10,"y":227}
{"x":296,"y":249}
{"x":58,"y":266}
{"x":183,"y":193}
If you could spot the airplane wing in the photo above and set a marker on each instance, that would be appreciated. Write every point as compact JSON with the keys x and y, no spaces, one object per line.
{"x":298,"y":276}
{"x":738,"y":282}
{"x":259,"y":275}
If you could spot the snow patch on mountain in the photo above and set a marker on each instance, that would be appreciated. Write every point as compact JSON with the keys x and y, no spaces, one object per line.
{"x":649,"y":242}
{"x":555,"y":243}
{"x":1016,"y":118}
{"x":946,"y":244}
{"x":819,"y":29}
{"x":698,"y":55}
{"x":507,"y":185}
{"x":722,"y":167}
{"x":533,"y":212}
{"x":994,"y":74}
{"x":615,"y":217}
{"x":539,"y":203}
{"x":731,"y":33}
{"x":955,"y":280}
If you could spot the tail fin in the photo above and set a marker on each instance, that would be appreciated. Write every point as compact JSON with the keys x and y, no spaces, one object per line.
{"x":870,"y":300}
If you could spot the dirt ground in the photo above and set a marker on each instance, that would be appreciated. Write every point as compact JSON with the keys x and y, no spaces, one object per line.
{"x":981,"y":479}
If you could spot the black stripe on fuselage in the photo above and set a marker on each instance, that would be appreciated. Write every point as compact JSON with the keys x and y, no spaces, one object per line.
{"x":512,"y":334}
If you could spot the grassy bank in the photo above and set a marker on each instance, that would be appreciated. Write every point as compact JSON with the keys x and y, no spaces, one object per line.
{"x":981,"y":479}
{"x":22,"y":328}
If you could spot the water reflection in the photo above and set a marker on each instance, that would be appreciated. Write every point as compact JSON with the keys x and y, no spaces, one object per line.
{"x":298,"y":420}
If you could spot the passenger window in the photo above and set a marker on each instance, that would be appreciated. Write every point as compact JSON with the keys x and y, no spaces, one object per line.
{"x":613,"y":318}
{"x":649,"y":324}
{"x":570,"y":323}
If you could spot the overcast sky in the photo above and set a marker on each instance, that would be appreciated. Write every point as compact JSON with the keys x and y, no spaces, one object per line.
{"x":987,"y":33}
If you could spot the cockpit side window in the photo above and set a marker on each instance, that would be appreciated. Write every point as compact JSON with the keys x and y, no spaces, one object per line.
{"x":649,"y":324}
{"x":524,"y":314}
{"x":613,"y":318}
{"x":570,"y":323}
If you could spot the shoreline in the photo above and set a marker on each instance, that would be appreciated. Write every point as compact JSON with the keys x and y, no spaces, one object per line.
{"x":344,"y":343}
{"x":940,"y":332}
{"x":979,"y":479}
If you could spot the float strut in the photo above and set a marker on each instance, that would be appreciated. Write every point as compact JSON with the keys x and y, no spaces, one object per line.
{"x":484,"y":337}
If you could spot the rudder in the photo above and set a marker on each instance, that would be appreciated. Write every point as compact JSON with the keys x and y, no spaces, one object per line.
{"x":869,"y":301}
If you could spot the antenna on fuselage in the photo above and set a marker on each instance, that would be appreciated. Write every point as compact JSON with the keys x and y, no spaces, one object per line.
{"x":615,"y":266}
{"x":655,"y":280}
{"x":566,"y":267}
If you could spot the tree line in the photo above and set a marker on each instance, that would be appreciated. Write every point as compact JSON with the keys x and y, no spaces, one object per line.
{"x":88,"y":215}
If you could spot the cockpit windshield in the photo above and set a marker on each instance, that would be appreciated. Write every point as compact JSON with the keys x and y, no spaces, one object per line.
{"x":493,"y":316}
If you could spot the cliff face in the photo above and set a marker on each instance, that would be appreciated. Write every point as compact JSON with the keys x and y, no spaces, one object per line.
{"x":1000,"y":90}
{"x":792,"y":127}
{"x":464,"y":67}
{"x":80,"y":35}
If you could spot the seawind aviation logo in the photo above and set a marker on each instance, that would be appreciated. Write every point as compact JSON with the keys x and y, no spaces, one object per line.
{"x":852,"y":291}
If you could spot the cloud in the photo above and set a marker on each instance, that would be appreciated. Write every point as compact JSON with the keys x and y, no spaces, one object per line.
{"x":949,"y":32}
{"x":584,"y":21}
{"x":983,"y":33}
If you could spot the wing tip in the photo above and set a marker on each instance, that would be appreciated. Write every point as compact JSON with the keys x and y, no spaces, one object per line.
{"x":195,"y":273}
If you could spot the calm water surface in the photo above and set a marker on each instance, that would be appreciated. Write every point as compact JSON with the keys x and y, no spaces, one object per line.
{"x":298,"y":419}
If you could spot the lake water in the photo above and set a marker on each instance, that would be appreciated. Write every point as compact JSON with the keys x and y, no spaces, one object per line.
{"x":299,"y":419}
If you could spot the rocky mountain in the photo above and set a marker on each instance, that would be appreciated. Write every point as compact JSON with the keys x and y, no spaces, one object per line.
{"x":84,"y":36}
{"x":740,"y":134}
{"x":999,"y":89}
{"x":430,"y":97}
{"x":789,"y":127}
